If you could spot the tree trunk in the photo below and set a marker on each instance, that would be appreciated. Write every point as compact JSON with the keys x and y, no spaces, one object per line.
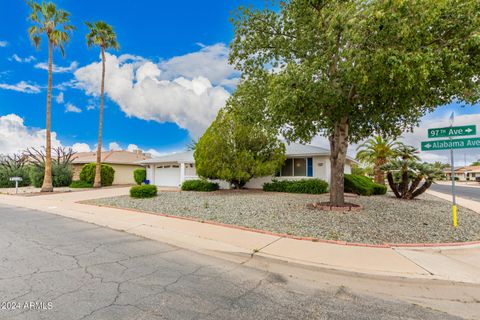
{"x":379,"y":175}
{"x":47,"y":185}
{"x":338,"y":155}
{"x":422,"y":189}
{"x":98,"y":177}
{"x":405,"y":183}
{"x":393,"y":185}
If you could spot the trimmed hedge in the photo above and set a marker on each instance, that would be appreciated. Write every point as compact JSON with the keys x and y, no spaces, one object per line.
{"x":311,"y":186}
{"x":139,"y":175}
{"x":62,"y":175}
{"x":143,"y":191}
{"x":362,"y":185}
{"x":80,"y":184}
{"x":199,"y":185}
{"x":106,"y":172}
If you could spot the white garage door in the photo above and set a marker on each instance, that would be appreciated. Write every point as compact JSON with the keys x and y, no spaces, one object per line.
{"x":167,"y":176}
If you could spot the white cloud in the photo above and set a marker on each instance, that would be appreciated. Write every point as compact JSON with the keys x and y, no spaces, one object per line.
{"x":114,"y":146}
{"x":81,"y":147}
{"x":132,"y":147}
{"x":3,"y":44}
{"x":210,"y":62}
{"x":57,"y":69}
{"x":72,"y":108}
{"x":16,"y":137}
{"x":22,"y":86}
{"x":60,"y":99}
{"x":141,"y":91}
{"x":90,"y":107}
{"x":22,"y":60}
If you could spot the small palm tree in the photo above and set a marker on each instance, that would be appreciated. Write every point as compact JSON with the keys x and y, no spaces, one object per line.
{"x":54,"y":23}
{"x":378,"y":151}
{"x":405,"y":175}
{"x":101,"y":34}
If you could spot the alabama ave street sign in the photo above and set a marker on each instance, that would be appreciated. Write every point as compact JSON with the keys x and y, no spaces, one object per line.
{"x":464,"y":143}
{"x":446,"y":132}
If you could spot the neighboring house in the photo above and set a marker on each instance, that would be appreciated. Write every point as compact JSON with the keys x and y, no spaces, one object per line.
{"x":122,"y":161}
{"x":468,"y":173}
{"x":303,"y":162}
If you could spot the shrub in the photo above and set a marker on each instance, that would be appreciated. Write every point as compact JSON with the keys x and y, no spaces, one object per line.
{"x":311,"y":186}
{"x":14,"y":165}
{"x":106,"y":172}
{"x":379,"y":189}
{"x":80,"y":184}
{"x":6,"y":174}
{"x":139,"y":175}
{"x":62,"y":175}
{"x":199,"y":185}
{"x":143,"y":191}
{"x":362,"y":185}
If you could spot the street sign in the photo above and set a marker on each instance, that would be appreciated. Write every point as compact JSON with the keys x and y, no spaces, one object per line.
{"x":464,"y":143}
{"x":459,"y":131}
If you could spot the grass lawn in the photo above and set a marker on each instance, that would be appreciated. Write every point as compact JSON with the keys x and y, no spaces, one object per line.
{"x":384,"y":219}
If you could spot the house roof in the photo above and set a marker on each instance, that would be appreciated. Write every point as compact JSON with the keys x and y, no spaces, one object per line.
{"x":291,"y":150}
{"x":112,"y":157}
{"x":468,"y":169}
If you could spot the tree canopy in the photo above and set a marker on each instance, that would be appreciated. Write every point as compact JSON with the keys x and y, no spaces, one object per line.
{"x":235,"y":151}
{"x":347,"y":69}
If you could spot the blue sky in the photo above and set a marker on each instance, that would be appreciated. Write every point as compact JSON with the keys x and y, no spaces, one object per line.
{"x":164,"y":86}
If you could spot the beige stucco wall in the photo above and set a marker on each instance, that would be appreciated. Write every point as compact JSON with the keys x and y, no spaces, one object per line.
{"x":321,"y":170}
{"x":123,"y":173}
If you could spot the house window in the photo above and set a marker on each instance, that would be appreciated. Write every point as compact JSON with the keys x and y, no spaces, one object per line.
{"x":297,"y":167}
{"x":287,"y":169}
{"x":300,"y":167}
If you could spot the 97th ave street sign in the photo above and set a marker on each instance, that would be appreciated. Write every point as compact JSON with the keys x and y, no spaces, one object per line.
{"x":451,"y":144}
{"x":452,"y":131}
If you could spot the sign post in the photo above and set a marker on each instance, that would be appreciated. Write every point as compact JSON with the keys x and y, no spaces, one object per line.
{"x":452,"y":166}
{"x":450,"y":143}
{"x":16,"y":179}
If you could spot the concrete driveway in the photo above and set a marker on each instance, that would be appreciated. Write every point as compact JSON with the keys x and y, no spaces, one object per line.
{"x":54,"y":267}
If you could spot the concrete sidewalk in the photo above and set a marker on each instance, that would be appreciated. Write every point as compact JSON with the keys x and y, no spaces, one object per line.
{"x":449,"y":263}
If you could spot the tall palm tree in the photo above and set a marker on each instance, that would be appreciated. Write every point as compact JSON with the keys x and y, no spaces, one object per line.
{"x":377,"y":151}
{"x":54,"y":23}
{"x":102,"y":35}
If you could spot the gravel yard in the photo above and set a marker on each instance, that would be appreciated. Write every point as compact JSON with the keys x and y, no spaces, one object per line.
{"x":384,"y":219}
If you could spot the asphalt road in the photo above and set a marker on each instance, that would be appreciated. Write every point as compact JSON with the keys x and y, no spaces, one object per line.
{"x":58,"y":268}
{"x":471,"y":193}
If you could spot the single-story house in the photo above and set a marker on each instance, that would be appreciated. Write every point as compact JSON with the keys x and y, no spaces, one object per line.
{"x":468,"y":173}
{"x":122,"y":161}
{"x":302,"y":162}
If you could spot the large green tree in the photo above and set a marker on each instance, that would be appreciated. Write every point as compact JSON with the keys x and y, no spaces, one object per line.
{"x":52,"y":22}
{"x":236,"y":151}
{"x":377,"y":151}
{"x":101,"y":34}
{"x":347,"y":69}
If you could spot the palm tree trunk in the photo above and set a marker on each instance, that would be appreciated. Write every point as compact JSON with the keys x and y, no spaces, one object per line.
{"x":47,"y":185}
{"x":393,"y":185}
{"x":338,"y":155}
{"x":98,"y":178}
{"x":379,"y":175}
{"x":422,"y":189}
